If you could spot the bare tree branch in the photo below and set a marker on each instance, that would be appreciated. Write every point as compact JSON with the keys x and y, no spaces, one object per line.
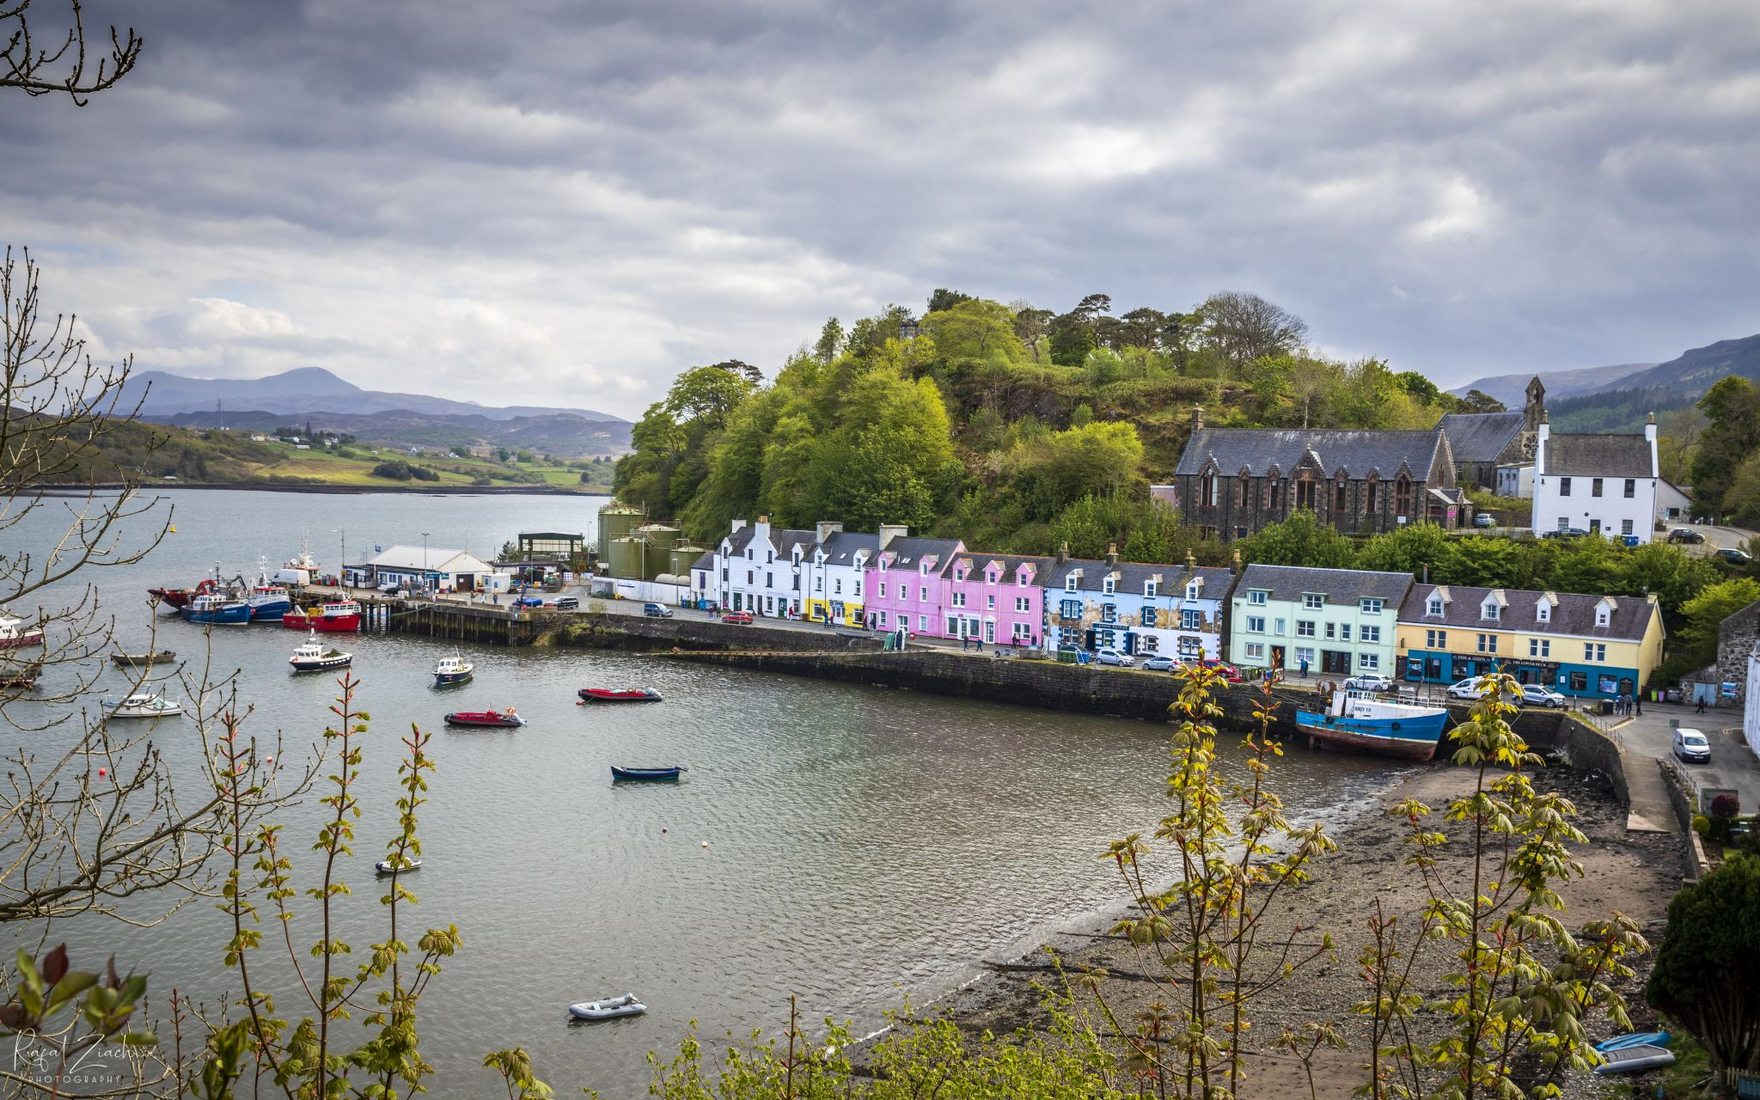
{"x":66,"y":64}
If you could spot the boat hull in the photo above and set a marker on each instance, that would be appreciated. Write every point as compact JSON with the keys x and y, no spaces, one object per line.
{"x":451,"y":679}
{"x":323,"y":624}
{"x":607,"y":1010}
{"x":1635,"y":1059}
{"x":484,"y":720}
{"x":320,"y":664}
{"x":173,"y":597}
{"x":272,"y":612}
{"x":136,"y":660}
{"x":646,"y":775}
{"x":21,"y":639}
{"x":1413,"y":738}
{"x":232,"y":615}
{"x":618,"y":695}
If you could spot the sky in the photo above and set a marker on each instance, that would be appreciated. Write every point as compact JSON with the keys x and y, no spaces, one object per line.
{"x":567,"y":203}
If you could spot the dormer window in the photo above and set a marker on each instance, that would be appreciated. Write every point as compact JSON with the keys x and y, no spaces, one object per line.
{"x":1434,"y":607}
{"x":1109,"y":586}
{"x":1488,"y":610}
{"x":1149,"y":590}
{"x":1602,"y":615}
{"x":1193,"y":589}
{"x":990,"y":577}
{"x":1313,"y":601}
{"x":1543,"y":611}
{"x":1069,"y":582}
{"x":1257,"y":596}
{"x":959,"y":574}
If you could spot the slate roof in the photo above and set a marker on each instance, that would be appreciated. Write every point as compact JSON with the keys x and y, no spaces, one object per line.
{"x":739,"y":540}
{"x":976,"y":563}
{"x":1357,"y":452}
{"x":1573,"y":613}
{"x":435,"y":559}
{"x":1598,"y":455}
{"x":706,"y":562}
{"x":841,"y":548}
{"x":1289,"y":582}
{"x":904,"y":553}
{"x":786,"y":541}
{"x":1131,"y":576}
{"x":1481,"y":437}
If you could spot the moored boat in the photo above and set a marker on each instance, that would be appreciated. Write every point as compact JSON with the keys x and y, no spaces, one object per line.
{"x":143,"y":704}
{"x":608,"y":1008}
{"x":217,"y":607}
{"x":139,"y":660}
{"x":619,"y":695}
{"x":1635,"y":1059}
{"x":647,"y":775}
{"x":485,"y":719}
{"x":387,"y":867}
{"x":20,"y":676}
{"x":449,"y":671}
{"x":1359,"y":720}
{"x":339,"y":616}
{"x":14,"y":634}
{"x":269,"y":601}
{"x":315,"y":656}
{"x":174,"y":598}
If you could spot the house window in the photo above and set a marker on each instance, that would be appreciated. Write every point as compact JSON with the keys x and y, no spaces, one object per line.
{"x":1631,"y":487}
{"x":1487,"y":643}
{"x":1601,"y":615}
{"x":1022,"y":604}
{"x":1595,"y":487}
{"x":1579,"y":681}
{"x":1594,"y":651}
{"x":1148,"y":616}
{"x":1368,"y":662}
{"x":882,"y":590}
{"x":1192,"y":590}
{"x":959,"y":574}
{"x":1192,"y":648}
{"x":882,"y":619}
{"x":1304,"y":628}
{"x":1344,"y":632}
{"x":1402,"y":496}
{"x":1256,"y":596}
{"x":1022,"y":632}
{"x":1369,"y":488}
{"x":1255,"y":624}
{"x":1564,"y":486}
{"x":1273,"y":494}
{"x":1149,"y":591}
{"x":1489,"y":611}
{"x":1332,"y":630}
{"x":1241,"y":487}
{"x":1434,"y":607}
{"x":1435,"y":639}
{"x":1305,"y":490}
{"x":1069,"y":583}
{"x":1539,"y":647}
{"x":990,"y":602}
{"x":1543,"y":612}
{"x":990,"y":577}
{"x":1371,"y":605}
{"x":1109,"y":586}
{"x":1207,"y":490}
{"x":1021,"y":578}
{"x":1191,"y":619}
{"x":1313,"y":601}
{"x":836,"y":586}
{"x":959,"y":599}
{"x":858,"y":590}
{"x":1564,"y":523}
{"x":953,"y":630}
{"x":819,"y":584}
{"x":1281,"y":628}
{"x":1255,"y":651}
{"x":1370,"y":635}
{"x":1070,"y":609}
{"x":1625,"y":526}
{"x":1341,"y":496}
{"x":1108,"y":612}
{"x":924,"y":598}
{"x":1304,"y":655}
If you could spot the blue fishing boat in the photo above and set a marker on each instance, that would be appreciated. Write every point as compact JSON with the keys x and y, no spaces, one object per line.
{"x":1634,"y":1039}
{"x":217,"y":607}
{"x":647,"y":775}
{"x":1361,"y":720}
{"x":268,"y":601}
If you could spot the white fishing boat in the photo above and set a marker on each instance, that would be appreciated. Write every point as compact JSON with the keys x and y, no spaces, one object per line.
{"x":143,"y":704}
{"x":15,"y":634}
{"x":608,"y":1009}
{"x":315,"y":656}
{"x":386,"y":867}
{"x":452,"y":670}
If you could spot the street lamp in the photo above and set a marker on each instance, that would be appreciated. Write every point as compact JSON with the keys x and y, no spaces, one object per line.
{"x":424,"y":563}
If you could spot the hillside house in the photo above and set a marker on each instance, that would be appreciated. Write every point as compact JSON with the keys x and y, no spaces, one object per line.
{"x":1602,"y":484}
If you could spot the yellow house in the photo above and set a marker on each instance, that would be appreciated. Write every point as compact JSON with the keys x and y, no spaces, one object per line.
{"x":835,"y":574}
{"x":1579,"y":645}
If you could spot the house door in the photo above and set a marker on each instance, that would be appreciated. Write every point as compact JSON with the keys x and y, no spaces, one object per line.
{"x":990,"y":631}
{"x":1335,"y":662}
{"x":1594,"y":527}
{"x":1276,"y":656}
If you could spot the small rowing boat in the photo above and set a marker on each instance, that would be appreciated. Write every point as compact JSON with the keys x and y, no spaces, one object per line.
{"x":610,"y":1008}
{"x":387,"y":867}
{"x":145,"y":704}
{"x":619,"y":695}
{"x":647,"y":775}
{"x":137,"y":660}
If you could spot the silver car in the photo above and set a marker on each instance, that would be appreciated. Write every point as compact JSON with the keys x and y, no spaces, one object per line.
{"x":1539,"y":695}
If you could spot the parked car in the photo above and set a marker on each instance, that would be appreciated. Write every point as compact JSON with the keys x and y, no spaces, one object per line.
{"x":1227,"y":671}
{"x":1733,"y":556}
{"x":661,"y":611}
{"x":1564,"y":533}
{"x":1114,"y":657}
{"x":1160,"y":662}
{"x":1484,"y":519}
{"x":568,"y":603}
{"x":1539,"y":695}
{"x":1691,"y":746}
{"x":737,"y":617}
{"x":392,"y":588}
{"x":1471,"y":688}
{"x":1681,"y":534}
{"x":1370,"y":682}
{"x":529,"y":601}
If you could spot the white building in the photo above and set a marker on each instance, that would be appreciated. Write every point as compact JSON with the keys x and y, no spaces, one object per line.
{"x":760,"y":569}
{"x":432,"y":569}
{"x":1672,"y":504}
{"x":834,"y":572}
{"x":1751,"y":702}
{"x":1516,"y":482}
{"x":1599,"y":484}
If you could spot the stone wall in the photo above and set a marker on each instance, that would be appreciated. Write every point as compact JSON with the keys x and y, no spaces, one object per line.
{"x":639,"y":632}
{"x":1735,"y":641}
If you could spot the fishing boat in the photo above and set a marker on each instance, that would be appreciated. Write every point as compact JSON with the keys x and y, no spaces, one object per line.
{"x":619,"y":695}
{"x":220,"y":607}
{"x":485,"y":719}
{"x":143,"y":704}
{"x":387,"y":867}
{"x":338,"y":616}
{"x":647,"y":775}
{"x":302,"y":568}
{"x":143,"y":660}
{"x":268,"y":599}
{"x":14,"y":634}
{"x":174,"y":598}
{"x":315,"y":656}
{"x":1361,"y":720}
{"x":20,"y":676}
{"x":610,"y":1008}
{"x":449,"y":671}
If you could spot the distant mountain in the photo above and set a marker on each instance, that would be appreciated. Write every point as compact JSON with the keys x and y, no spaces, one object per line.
{"x":314,"y":395}
{"x":306,"y":389}
{"x":1675,"y":384}
{"x":1512,"y":389}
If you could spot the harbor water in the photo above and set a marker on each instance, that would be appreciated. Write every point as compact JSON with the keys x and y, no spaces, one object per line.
{"x":845,"y":845}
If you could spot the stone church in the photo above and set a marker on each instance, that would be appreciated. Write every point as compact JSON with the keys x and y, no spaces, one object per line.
{"x":1484,"y":441}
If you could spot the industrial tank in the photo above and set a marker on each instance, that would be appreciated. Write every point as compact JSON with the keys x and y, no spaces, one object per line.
{"x":681,"y":558}
{"x":628,"y":559}
{"x":616,"y":521}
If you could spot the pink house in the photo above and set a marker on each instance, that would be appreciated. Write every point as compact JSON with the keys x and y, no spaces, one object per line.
{"x":907,"y":585}
{"x":997,"y":598}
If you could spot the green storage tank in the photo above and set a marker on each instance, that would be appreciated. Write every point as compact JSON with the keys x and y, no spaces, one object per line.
{"x":658,"y":534}
{"x":627,"y":559}
{"x":682,"y":558}
{"x":616,"y":521}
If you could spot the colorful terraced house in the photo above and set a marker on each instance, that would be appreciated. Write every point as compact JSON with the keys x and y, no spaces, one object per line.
{"x":836,"y":573}
{"x":1136,"y":608}
{"x":1579,"y":645}
{"x":907,"y":586}
{"x":998,"y":599}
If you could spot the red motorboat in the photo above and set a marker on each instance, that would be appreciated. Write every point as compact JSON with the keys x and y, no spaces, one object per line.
{"x":172,"y":597}
{"x":332,"y":617}
{"x":485,"y":719}
{"x":619,"y":695}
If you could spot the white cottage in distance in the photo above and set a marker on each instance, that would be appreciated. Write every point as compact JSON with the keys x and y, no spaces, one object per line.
{"x":1597,"y":484}
{"x":761,"y":570}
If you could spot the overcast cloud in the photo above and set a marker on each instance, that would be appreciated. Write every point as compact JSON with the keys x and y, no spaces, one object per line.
{"x":566,"y":203}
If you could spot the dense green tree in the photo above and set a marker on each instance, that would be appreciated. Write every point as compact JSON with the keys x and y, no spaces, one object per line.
{"x":1421,"y":549}
{"x":1707,"y":972}
{"x":974,"y":329}
{"x":830,"y":342}
{"x":1732,"y":407}
{"x":1245,"y":327}
{"x":942,"y":299}
{"x":1299,"y":540}
{"x":1704,"y":613}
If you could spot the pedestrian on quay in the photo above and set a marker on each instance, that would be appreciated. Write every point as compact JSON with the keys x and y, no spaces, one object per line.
{"x":1700,"y":709}
{"x":1304,"y":668}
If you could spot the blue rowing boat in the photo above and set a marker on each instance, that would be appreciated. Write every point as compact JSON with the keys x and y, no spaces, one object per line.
{"x":647,"y":775}
{"x":1635,"y":1039}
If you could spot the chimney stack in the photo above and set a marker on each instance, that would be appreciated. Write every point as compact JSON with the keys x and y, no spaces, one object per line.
{"x":890,"y":531}
{"x":738,"y":522}
{"x":1191,"y":562}
{"x":1062,"y":552}
{"x":825,"y":528}
{"x":1197,"y":418}
{"x":1111,"y":554}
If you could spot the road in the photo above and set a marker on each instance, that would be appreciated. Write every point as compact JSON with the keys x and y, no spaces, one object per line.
{"x":1716,"y":538}
{"x":1733,"y":765}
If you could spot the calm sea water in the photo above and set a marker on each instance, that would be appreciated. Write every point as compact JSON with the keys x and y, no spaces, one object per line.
{"x":846,"y":845}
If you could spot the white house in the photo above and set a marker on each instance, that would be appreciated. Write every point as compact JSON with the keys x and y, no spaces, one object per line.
{"x":1600,"y":484}
{"x":1672,"y":504}
{"x":431,"y":568}
{"x":834,"y":568}
{"x":760,"y":569}
{"x":1751,"y":703}
{"x":1516,"y":482}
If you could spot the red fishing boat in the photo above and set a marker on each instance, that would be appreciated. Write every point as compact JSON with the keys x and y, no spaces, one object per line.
{"x":172,"y":597}
{"x":619,"y":695}
{"x":332,"y":617}
{"x":485,"y":719}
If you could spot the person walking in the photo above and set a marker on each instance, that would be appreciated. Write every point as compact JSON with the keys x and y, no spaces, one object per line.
{"x":1700,"y":708}
{"x":1304,"y":668}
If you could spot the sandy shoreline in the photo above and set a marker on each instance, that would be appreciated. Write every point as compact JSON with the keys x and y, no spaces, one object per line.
{"x":1635,"y":874}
